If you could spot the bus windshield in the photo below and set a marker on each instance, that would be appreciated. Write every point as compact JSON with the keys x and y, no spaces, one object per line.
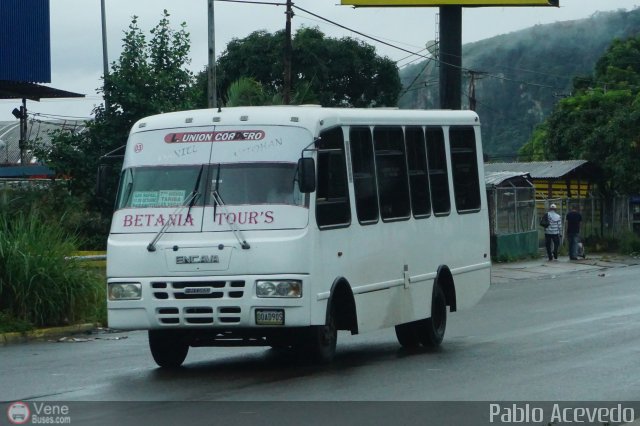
{"x":255,"y":183}
{"x":237,"y":184}
{"x":159,"y":186}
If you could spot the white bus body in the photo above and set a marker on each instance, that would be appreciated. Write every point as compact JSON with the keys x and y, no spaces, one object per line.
{"x":204,"y":251}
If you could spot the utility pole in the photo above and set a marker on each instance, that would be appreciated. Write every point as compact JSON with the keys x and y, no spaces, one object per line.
{"x":105,"y":59}
{"x":450,"y":57}
{"x":472,"y":87}
{"x":286,"y":91}
{"x":212,"y":98}
{"x":22,"y":143}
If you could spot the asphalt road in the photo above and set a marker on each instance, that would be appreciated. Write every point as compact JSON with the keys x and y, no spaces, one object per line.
{"x":569,"y":338}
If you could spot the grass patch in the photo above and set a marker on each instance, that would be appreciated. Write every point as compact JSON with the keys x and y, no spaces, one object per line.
{"x":9,"y":324}
{"x":39,"y":283}
{"x":629,"y":243}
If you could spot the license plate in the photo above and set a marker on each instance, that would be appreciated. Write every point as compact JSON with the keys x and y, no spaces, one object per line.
{"x":270,"y":316}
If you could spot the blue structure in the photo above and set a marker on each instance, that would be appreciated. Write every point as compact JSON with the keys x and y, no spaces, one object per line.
{"x":25,"y":60}
{"x":25,"y":45}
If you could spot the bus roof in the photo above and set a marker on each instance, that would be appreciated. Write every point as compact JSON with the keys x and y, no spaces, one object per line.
{"x":309,"y":116}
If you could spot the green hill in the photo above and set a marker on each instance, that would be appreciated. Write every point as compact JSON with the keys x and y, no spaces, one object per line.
{"x":523,"y":74}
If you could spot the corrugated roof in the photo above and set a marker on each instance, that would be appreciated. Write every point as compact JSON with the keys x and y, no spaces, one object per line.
{"x":35,"y":92}
{"x":537,"y":169}
{"x":36,"y":130}
{"x":496,"y":178}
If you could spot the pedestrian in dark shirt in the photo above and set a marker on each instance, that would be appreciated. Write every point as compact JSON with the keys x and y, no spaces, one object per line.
{"x":573,"y":232}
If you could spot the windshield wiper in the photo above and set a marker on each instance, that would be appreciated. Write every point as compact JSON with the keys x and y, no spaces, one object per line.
{"x":127,"y":191}
{"x":189,"y":201}
{"x":217,"y":201}
{"x":215,"y":191}
{"x":195,"y":193}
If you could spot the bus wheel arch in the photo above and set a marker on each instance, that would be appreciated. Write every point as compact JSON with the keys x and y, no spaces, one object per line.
{"x":343,"y":304}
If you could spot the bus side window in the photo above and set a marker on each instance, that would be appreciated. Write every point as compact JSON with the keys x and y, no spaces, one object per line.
{"x":418,"y":172}
{"x":438,"y":178}
{"x":332,"y":197}
{"x":464,"y":168}
{"x":391,"y":170}
{"x":364,"y":177}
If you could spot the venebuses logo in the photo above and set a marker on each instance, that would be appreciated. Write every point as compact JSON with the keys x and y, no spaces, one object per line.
{"x":18,"y":413}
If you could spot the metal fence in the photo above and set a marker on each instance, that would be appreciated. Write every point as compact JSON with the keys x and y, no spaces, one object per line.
{"x":514,"y":210}
{"x":599,"y":219}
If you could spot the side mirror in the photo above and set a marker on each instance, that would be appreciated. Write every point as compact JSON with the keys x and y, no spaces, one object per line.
{"x":101,"y":180}
{"x":306,"y":175}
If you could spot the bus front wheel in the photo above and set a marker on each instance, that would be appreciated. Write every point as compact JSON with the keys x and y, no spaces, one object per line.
{"x":168,"y":349}
{"x":321,"y":340}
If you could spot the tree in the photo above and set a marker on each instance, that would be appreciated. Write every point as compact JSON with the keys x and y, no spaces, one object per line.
{"x":601,"y":121}
{"x":150,"y":77}
{"x":337,"y":72}
{"x":534,"y":149}
{"x":246,"y":91}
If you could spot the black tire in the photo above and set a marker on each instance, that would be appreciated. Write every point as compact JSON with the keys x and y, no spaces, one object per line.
{"x":321,"y":340}
{"x":432,"y":329}
{"x":168,"y":348}
{"x":408,"y":335}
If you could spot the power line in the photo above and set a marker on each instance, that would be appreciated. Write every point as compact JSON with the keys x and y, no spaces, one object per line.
{"x":41,"y":114}
{"x":302,"y":16}
{"x":254,"y":2}
{"x":422,"y":84}
{"x":356,"y":32}
{"x":440,"y":61}
{"x":410,"y":56}
{"x":427,"y":62}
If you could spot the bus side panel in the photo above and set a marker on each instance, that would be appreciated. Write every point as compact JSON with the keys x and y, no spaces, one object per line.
{"x":392,"y":306}
{"x":331,"y":261}
{"x":471,"y":286}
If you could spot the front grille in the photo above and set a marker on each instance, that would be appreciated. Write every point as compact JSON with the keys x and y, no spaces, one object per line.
{"x":199,"y":315}
{"x":193,"y":295}
{"x":169,"y":316}
{"x":188,"y":290}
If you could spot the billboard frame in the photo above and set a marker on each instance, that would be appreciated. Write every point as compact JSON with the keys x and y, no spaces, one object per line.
{"x":461,"y":3}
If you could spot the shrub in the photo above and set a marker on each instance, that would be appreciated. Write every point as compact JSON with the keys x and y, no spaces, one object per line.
{"x":53,"y":203}
{"x":38,"y":282}
{"x":600,"y":244}
{"x":629,"y":243}
{"x":10,"y":324}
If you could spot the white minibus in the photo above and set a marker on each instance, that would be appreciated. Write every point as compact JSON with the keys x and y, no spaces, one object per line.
{"x":278,"y":226}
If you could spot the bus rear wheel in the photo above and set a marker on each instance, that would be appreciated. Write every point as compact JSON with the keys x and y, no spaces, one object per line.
{"x":408,"y":335}
{"x":432,"y":329}
{"x":168,"y":348}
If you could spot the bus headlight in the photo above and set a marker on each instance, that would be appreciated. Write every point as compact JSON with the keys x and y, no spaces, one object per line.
{"x":279,"y":288}
{"x":125,"y":291}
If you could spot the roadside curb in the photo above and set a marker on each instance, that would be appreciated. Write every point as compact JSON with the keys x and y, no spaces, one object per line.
{"x":541,"y":269}
{"x":44,"y":333}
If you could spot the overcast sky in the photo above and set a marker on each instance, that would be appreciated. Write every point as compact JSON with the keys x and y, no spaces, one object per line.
{"x":76,"y":37}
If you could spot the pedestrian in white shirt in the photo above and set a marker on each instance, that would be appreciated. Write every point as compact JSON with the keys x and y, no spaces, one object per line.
{"x":553,"y":233}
